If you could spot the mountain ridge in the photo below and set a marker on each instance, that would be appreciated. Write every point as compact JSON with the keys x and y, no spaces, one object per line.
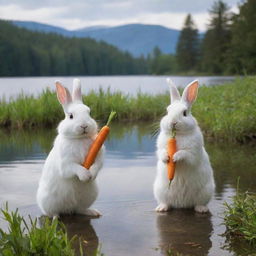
{"x":137,"y":39}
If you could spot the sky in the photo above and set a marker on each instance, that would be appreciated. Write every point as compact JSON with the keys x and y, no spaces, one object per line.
{"x":75,"y":14}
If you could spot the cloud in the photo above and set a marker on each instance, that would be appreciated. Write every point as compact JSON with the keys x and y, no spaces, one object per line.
{"x":137,"y":6}
{"x":80,"y":13}
{"x":13,"y":12}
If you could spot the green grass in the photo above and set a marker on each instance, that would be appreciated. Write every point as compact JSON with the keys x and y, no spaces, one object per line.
{"x":223,"y":112}
{"x":26,"y":239}
{"x":228,"y":111}
{"x":171,"y":252}
{"x":37,"y":237}
{"x":240,"y":217}
{"x":45,"y":110}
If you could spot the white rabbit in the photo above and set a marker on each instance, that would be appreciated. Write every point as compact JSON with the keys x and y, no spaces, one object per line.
{"x":65,"y":185}
{"x":193,"y":184}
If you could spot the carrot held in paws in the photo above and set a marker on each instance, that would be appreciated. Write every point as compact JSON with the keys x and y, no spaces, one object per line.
{"x":96,"y":145}
{"x":171,"y":150}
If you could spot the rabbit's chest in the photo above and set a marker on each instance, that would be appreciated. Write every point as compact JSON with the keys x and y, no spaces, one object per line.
{"x":79,"y":150}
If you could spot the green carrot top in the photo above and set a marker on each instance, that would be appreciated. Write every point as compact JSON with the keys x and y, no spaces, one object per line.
{"x":173,"y":133}
{"x":111,"y":116}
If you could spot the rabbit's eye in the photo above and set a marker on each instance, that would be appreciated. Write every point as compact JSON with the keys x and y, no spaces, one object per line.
{"x":184,"y":113}
{"x":71,"y":116}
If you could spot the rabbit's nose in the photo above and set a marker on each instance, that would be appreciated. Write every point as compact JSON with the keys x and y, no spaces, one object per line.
{"x":84,"y":126}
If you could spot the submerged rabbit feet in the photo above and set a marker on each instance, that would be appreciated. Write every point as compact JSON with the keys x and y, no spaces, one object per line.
{"x":90,"y":212}
{"x":162,"y":208}
{"x":201,"y":209}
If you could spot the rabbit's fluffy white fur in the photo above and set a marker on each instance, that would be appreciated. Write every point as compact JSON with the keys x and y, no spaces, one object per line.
{"x":193,"y":183}
{"x":66,"y":186}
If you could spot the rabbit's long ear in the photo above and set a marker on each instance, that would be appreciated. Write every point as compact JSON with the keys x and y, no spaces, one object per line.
{"x":76,"y":94}
{"x":175,"y":95}
{"x":63,"y":94}
{"x":190,"y":93}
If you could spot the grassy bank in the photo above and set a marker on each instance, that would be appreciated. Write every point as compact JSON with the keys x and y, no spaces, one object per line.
{"x":225,"y":112}
{"x":228,"y":111}
{"x":240,"y":217}
{"x":22,"y":238}
{"x":39,"y":236}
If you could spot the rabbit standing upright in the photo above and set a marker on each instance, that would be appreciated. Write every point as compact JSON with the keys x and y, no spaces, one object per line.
{"x":66,"y":186}
{"x":193,"y":184}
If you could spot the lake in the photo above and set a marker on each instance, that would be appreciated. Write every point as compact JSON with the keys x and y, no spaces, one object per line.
{"x":127,"y":84}
{"x":129,"y":225}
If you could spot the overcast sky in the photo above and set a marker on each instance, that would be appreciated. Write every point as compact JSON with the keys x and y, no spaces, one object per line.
{"x":74,"y":14}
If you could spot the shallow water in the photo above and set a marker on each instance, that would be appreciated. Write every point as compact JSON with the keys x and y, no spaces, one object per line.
{"x":129,"y":225}
{"x":126,"y":84}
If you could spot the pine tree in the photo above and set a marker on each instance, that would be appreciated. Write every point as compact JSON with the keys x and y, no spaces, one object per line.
{"x":188,"y":46}
{"x":242,"y":55}
{"x":27,"y":53}
{"x":216,"y":42}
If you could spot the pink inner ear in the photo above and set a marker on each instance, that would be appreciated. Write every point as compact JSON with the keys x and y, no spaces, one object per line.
{"x":61,"y":93}
{"x":192,"y":92}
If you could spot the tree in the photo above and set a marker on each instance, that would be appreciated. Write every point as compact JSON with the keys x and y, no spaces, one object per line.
{"x":216,"y":41}
{"x":154,"y":62}
{"x":23,"y":52}
{"x":242,"y":54}
{"x":188,"y":46}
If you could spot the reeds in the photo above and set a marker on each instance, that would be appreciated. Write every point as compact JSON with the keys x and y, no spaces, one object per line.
{"x":225,"y":111}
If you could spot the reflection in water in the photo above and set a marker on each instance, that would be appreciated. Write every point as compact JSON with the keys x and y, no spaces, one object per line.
{"x":23,"y":144}
{"x":129,"y":224}
{"x":78,"y":226}
{"x":81,"y":226}
{"x":239,"y":247}
{"x":231,"y":161}
{"x":184,"y":231}
{"x":125,"y":140}
{"x":131,"y":140}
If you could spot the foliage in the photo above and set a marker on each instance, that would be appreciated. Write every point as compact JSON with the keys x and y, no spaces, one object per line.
{"x":27,"y":53}
{"x":242,"y":54}
{"x":216,"y":41}
{"x":227,"y":111}
{"x":45,"y":111}
{"x":227,"y":47}
{"x":188,"y":46}
{"x":27,"y":239}
{"x":240,"y":218}
{"x":223,"y":112}
{"x":159,"y":63}
{"x":171,"y":252}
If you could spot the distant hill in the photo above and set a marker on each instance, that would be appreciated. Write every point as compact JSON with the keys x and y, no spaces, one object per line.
{"x":137,"y":39}
{"x":40,"y":27}
{"x":28,"y":53}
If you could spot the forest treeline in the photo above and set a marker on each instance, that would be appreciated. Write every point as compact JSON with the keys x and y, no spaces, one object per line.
{"x":27,"y":53}
{"x":226,"y":48}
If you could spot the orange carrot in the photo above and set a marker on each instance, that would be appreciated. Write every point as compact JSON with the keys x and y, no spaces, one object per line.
{"x":171,"y":150}
{"x":97,"y":144}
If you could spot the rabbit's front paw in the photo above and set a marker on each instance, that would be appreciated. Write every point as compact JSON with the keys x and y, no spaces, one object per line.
{"x":162,"y":208}
{"x":84,"y":175}
{"x":178,"y":156}
{"x":94,"y":174}
{"x":164,"y":156}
